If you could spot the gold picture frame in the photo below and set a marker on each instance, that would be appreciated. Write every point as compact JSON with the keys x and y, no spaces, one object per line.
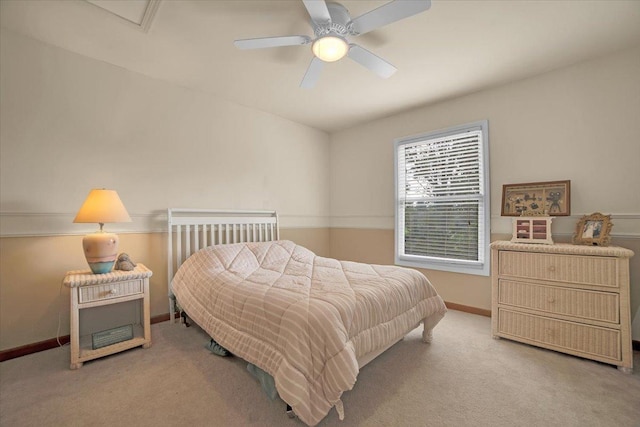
{"x":593,"y":230}
{"x":551,"y":198}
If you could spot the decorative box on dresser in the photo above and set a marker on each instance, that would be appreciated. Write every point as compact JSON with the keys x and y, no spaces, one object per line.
{"x":90,"y":290}
{"x":568,"y":298}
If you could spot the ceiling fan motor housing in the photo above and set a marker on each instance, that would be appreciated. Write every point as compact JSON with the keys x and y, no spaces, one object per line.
{"x":339,"y":25}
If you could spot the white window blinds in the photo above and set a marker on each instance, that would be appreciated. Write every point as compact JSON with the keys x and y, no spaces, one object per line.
{"x":442,"y":200}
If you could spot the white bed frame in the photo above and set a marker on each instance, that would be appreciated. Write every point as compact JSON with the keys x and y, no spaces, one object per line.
{"x":192,"y":229}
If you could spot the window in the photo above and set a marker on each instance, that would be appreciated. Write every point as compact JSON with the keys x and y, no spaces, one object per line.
{"x":442,"y":200}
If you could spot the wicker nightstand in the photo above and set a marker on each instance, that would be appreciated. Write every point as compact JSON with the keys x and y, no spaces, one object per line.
{"x":95,"y":290}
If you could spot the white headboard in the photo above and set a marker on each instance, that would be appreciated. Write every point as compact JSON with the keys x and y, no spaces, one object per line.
{"x":190,"y":230}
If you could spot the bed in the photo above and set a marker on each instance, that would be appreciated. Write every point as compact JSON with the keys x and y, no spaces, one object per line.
{"x":310,"y":322}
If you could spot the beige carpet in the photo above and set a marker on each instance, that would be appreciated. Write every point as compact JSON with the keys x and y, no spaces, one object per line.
{"x":464,"y":378}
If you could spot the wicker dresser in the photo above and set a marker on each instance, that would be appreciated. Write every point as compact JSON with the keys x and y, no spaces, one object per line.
{"x":568,"y":298}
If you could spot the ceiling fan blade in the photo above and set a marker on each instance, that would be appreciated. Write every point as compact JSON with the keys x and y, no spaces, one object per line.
{"x":264,"y":42}
{"x":388,"y":13}
{"x":318,"y":11}
{"x":313,"y":72}
{"x":371,"y":61}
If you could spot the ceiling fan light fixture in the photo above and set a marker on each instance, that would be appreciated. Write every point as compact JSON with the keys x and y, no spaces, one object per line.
{"x":330,"y":48}
{"x":332,"y":26}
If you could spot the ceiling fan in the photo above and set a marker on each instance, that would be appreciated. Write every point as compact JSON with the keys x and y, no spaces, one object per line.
{"x":332,"y":25}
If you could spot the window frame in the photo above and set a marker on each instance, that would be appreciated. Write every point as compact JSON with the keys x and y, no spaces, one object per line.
{"x":481,"y":268}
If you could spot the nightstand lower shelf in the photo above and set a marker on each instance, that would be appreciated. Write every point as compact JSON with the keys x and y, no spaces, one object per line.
{"x":86,"y":353}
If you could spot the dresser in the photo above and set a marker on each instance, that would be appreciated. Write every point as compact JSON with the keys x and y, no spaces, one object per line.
{"x":568,"y":298}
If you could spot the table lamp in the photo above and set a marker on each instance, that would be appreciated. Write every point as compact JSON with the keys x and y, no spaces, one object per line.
{"x":101,"y":248}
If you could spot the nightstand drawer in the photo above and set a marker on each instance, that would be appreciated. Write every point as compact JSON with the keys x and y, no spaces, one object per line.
{"x":110,"y":290}
{"x":579,"y":303}
{"x":583,"y":270}
{"x":575,"y":338}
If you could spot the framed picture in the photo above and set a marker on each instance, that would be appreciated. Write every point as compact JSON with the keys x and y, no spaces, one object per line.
{"x":593,"y":230}
{"x":551,"y":198}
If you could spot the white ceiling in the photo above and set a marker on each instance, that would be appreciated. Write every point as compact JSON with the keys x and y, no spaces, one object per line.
{"x":456,"y":47}
{"x":133,"y":10}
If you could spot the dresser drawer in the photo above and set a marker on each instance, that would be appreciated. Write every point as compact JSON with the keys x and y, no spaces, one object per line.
{"x":110,"y":290}
{"x":584,"y":304}
{"x":570,"y":337}
{"x":583,"y":270}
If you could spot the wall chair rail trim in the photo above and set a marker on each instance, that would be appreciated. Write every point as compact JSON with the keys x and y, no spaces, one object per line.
{"x":42,"y":224}
{"x":625,"y":225}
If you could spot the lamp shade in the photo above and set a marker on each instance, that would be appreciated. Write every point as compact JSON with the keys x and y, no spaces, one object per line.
{"x":102,"y":206}
{"x":330,"y":48}
{"x":100,"y":248}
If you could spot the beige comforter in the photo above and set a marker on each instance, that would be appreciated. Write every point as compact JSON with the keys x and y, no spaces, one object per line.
{"x":302,"y":318}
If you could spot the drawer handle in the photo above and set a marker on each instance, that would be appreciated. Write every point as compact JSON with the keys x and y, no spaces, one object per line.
{"x":113,"y":292}
{"x":552,"y":268}
{"x":551,"y":300}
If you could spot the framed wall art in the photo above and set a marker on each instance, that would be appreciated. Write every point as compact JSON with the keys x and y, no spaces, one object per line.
{"x":593,"y":230}
{"x":537,"y":198}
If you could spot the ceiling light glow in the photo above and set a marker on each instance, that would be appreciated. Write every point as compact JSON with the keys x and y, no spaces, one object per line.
{"x":330,"y":48}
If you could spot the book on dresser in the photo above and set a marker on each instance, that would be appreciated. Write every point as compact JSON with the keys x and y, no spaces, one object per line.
{"x":568,"y":298}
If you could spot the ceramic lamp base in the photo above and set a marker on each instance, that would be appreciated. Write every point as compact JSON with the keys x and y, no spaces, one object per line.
{"x":101,"y":251}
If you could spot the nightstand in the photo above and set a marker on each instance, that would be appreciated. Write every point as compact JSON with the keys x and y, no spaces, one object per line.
{"x":90,"y":291}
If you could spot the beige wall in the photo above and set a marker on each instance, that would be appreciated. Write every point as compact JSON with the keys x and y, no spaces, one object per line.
{"x":376,"y":246}
{"x":33,"y":302}
{"x":578,"y":123}
{"x":70,"y":123}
